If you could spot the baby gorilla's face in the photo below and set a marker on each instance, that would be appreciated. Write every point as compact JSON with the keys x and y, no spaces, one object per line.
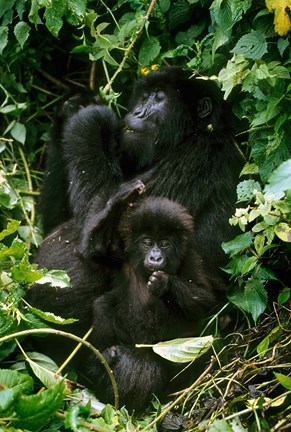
{"x":149,"y":254}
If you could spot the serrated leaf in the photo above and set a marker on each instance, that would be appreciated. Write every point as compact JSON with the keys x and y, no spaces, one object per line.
{"x":179,"y":13}
{"x":53,"y":16}
{"x":34,"y":411}
{"x":252,"y":45}
{"x":256,"y":298}
{"x":52,"y":318}
{"x":56,"y":278}
{"x":183,"y":350}
{"x":3,"y":38}
{"x":21,"y":31}
{"x":245,"y":190}
{"x":149,"y":50}
{"x":12,"y":227}
{"x":238,"y":244}
{"x":12,"y":384}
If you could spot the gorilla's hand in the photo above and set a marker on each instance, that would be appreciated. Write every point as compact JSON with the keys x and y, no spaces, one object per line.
{"x":158,"y":283}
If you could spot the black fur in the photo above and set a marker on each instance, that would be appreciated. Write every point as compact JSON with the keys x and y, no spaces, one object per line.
{"x":153,"y":298}
{"x":179,"y":150}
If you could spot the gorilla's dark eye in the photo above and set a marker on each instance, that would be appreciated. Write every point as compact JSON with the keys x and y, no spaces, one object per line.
{"x":165,"y":244}
{"x":147,"y":243}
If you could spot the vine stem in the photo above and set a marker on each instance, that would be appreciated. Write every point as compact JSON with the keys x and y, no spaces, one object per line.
{"x":128,"y":50}
{"x":80,"y":341}
{"x":176,"y":401}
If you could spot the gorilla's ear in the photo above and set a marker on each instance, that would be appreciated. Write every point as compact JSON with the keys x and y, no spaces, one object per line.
{"x":204,"y":107}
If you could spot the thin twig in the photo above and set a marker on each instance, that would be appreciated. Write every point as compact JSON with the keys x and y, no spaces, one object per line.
{"x":130,"y":47}
{"x":79,"y":340}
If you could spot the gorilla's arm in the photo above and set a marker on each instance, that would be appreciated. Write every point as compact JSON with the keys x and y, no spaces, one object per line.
{"x":90,"y":151}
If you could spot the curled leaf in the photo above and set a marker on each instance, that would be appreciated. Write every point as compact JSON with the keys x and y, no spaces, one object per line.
{"x":182,"y":350}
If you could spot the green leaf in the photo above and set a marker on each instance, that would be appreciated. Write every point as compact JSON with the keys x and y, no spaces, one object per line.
{"x":164,"y":5}
{"x":252,"y":45}
{"x":46,"y":377}
{"x":227,"y":426}
{"x":283,"y":231}
{"x":252,"y":300}
{"x":12,"y":384}
{"x":21,"y":31}
{"x":53,"y":16}
{"x":12,"y":227}
{"x":183,"y":350}
{"x":256,"y":298}
{"x":18,"y":132}
{"x":284,"y":380}
{"x":52,"y":318}
{"x":284,"y":296}
{"x":238,"y":244}
{"x":6,"y":5}
{"x":179,"y":13}
{"x":3,"y":38}
{"x":57,"y":278}
{"x":149,"y":50}
{"x":34,"y":411}
{"x":245,"y":190}
{"x":280,"y":180}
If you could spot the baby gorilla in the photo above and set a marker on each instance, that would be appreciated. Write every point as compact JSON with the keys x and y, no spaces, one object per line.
{"x":159,"y":293}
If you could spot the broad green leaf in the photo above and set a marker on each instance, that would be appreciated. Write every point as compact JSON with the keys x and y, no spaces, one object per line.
{"x":253,"y":299}
{"x":263,"y":346}
{"x":53,"y":16}
{"x":256,"y":298}
{"x":238,"y":244}
{"x":183,"y":350}
{"x":34,"y":411}
{"x":179,"y":13}
{"x":284,"y":380}
{"x":21,"y":31}
{"x":227,"y":426}
{"x":3,"y":38}
{"x":283,"y":231}
{"x":280,"y":180}
{"x":252,"y":45}
{"x":46,"y":377}
{"x":149,"y":50}
{"x":12,"y":384}
{"x":164,"y":5}
{"x":245,"y":190}
{"x":6,"y":5}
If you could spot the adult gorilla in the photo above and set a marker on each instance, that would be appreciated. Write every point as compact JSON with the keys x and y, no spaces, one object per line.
{"x":176,"y":139}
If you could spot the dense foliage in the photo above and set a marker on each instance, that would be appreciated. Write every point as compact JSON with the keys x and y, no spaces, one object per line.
{"x":49,"y":47}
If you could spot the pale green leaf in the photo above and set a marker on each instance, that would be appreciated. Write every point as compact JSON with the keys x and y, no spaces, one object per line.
{"x":283,"y":231}
{"x":18,"y":132}
{"x":183,"y":350}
